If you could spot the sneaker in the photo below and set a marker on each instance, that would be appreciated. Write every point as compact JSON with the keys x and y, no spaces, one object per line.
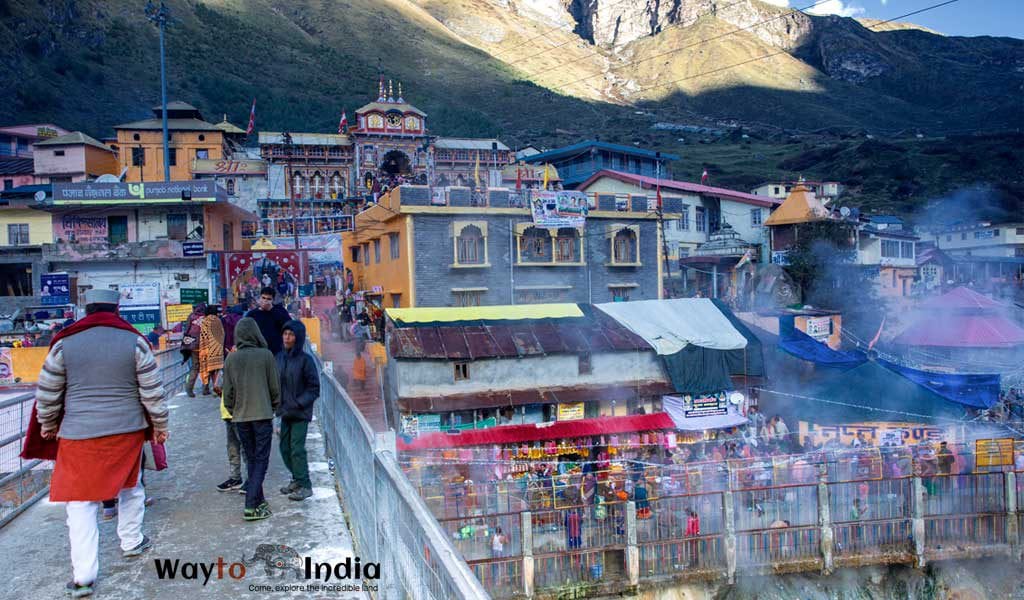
{"x":149,"y":501}
{"x":256,"y":514}
{"x":241,"y":488}
{"x":301,"y":494}
{"x":144,"y":545}
{"x":78,"y":591}
{"x":206,"y":391}
{"x":291,"y":487}
{"x":190,"y":394}
{"x":109,"y":513}
{"x":230,"y":484}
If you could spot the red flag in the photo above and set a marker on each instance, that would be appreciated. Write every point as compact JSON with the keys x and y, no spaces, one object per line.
{"x":343,"y":123}
{"x":704,"y":176}
{"x":874,"y":340}
{"x":659,"y":196}
{"x":519,"y":179}
{"x":252,"y":118}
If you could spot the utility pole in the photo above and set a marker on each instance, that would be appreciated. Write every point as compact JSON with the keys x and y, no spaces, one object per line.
{"x":158,"y":15}
{"x":289,"y":149}
{"x":661,"y":227}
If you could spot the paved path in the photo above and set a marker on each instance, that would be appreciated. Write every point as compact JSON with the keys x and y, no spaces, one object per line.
{"x":190,"y":521}
{"x":366,"y":398}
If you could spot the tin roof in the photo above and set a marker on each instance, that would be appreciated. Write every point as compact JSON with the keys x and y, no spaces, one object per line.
{"x":594,"y":332}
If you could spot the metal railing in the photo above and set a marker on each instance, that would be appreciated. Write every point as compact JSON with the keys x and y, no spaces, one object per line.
{"x":390,"y":523}
{"x":24,"y":482}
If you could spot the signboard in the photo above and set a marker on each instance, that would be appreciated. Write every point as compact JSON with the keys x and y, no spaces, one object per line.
{"x":143,"y":319}
{"x":819,"y":328}
{"x":875,"y":433}
{"x":410,"y":425}
{"x":134,"y":193}
{"x":567,"y":208}
{"x":993,"y":453}
{"x":571,"y":411}
{"x":140,"y":294}
{"x":177,"y":313}
{"x":306,"y":290}
{"x":55,"y":289}
{"x":194,"y":248}
{"x":705,"y":406}
{"x":428,"y":423}
{"x":81,"y":230}
{"x":245,"y":166}
{"x":6,"y":367}
{"x":193,"y":296}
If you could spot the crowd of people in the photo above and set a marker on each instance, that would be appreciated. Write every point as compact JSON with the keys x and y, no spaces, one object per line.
{"x":103,"y":416}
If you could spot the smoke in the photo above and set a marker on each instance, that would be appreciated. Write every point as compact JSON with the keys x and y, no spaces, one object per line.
{"x":969,"y":205}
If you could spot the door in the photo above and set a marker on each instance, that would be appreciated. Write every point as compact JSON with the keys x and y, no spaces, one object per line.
{"x":117,"y":230}
{"x":229,"y":236}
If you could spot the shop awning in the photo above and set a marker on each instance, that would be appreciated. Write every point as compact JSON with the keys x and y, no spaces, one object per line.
{"x":513,"y":434}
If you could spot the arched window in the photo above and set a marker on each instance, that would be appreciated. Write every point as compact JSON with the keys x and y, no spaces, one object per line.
{"x":624,"y":246}
{"x":337,"y":189}
{"x":299,"y":185}
{"x":470,"y":246}
{"x":535,"y":245}
{"x":567,"y":245}
{"x":318,"y":185}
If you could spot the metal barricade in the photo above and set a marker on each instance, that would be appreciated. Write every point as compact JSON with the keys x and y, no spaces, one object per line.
{"x":22,"y":482}
{"x":390,"y":523}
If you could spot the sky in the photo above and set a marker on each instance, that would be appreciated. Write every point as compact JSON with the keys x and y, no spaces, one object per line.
{"x":964,"y":17}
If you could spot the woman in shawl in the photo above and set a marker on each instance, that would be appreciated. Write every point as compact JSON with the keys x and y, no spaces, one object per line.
{"x":211,"y":347}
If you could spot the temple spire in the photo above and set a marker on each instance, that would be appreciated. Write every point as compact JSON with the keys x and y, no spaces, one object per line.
{"x":400,"y":99}
{"x":380,"y":89}
{"x":391,"y":92}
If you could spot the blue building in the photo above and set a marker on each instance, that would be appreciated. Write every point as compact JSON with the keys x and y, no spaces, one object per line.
{"x":576,"y":163}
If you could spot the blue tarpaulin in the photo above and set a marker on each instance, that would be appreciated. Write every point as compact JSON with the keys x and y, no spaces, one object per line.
{"x":978,"y":391}
{"x":803,"y":346}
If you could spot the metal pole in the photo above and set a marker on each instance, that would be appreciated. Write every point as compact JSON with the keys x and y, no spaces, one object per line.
{"x":163,"y":94}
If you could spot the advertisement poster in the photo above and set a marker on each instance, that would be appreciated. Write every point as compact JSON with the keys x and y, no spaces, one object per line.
{"x":993,"y":453}
{"x":819,"y":328}
{"x":80,"y":230}
{"x":705,"y":406}
{"x":879,"y":433}
{"x":6,"y":367}
{"x":428,"y":423}
{"x":55,"y":289}
{"x":177,"y":313}
{"x":248,"y":272}
{"x":571,"y":411}
{"x":567,"y":208}
{"x":140,"y":294}
{"x":194,"y":296}
{"x":143,"y":319}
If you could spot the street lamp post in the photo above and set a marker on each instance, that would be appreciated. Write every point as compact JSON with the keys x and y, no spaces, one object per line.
{"x":158,"y":15}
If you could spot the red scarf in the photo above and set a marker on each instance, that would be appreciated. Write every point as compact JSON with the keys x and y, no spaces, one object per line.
{"x":35,"y":446}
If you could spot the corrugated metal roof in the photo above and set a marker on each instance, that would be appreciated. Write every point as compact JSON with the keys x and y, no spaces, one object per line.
{"x":594,"y":333}
{"x":16,"y":166}
{"x":75,"y":137}
{"x":469,"y":143}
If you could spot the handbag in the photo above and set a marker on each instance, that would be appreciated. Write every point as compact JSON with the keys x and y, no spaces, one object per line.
{"x":154,"y":456}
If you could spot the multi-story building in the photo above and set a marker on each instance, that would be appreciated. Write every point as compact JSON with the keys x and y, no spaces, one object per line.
{"x":826,"y":191}
{"x":73,"y":158}
{"x":883,"y":244}
{"x":579,"y":162}
{"x":24,"y":229}
{"x":140,"y":143}
{"x":16,"y":167}
{"x":987,"y":255}
{"x":418,"y":248}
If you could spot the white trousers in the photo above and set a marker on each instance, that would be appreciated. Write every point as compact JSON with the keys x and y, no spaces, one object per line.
{"x":85,"y":535}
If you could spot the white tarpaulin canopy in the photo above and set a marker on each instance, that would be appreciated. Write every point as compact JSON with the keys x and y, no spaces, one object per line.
{"x":674,"y":406}
{"x":671,"y":325}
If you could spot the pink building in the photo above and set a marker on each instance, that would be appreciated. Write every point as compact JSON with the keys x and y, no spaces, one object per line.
{"x":73,"y":158}
{"x":16,"y":166}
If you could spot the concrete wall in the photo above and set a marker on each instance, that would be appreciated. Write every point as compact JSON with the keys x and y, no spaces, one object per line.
{"x":48,"y":163}
{"x":435,"y":278}
{"x":103,"y":275}
{"x":417,"y":378}
{"x":153,"y":221}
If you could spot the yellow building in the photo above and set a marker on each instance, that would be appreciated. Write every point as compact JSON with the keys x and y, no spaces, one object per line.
{"x":380,"y":253}
{"x":25,"y":227}
{"x":140,"y":144}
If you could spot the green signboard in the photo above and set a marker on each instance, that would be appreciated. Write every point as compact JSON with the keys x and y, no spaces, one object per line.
{"x":194,"y":296}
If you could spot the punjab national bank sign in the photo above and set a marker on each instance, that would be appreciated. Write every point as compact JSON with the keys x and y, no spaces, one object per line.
{"x":160,"y":192}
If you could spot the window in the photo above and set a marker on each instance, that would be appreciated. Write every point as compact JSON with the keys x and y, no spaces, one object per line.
{"x":355,"y":253}
{"x":177,"y":226}
{"x":699,"y":218}
{"x":890,"y":249}
{"x":894,"y":278}
{"x":117,"y":229}
{"x":683,"y":224}
{"x":17,"y":234}
{"x":172,"y":156}
{"x":585,"y":364}
{"x":138,"y":157}
{"x":58,"y":153}
{"x":906,"y":249}
{"x":468,"y":297}
{"x":963,"y":236}
{"x":396,"y":252}
{"x":777,"y":190}
{"x":470,"y":246}
{"x":995,"y":233}
{"x":1018,"y":251}
{"x":461,"y":371}
{"x":396,"y":301}
{"x":624,"y":246}
{"x":684,"y":251}
{"x":135,"y":137}
{"x":366,"y":253}
{"x":461,"y":155}
{"x":535,"y":245}
{"x":1020,"y":231}
{"x":620,"y":294}
{"x":202,"y":138}
{"x":202,"y":153}
{"x":376,"y":250}
{"x":566,"y":245}
{"x":230,"y":185}
{"x":755,"y":217}
{"x":8,"y":184}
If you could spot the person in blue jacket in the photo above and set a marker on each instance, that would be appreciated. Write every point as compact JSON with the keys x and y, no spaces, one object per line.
{"x":300,"y":387}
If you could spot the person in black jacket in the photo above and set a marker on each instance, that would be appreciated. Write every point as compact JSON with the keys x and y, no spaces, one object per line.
{"x":270,"y":317}
{"x":300,"y":387}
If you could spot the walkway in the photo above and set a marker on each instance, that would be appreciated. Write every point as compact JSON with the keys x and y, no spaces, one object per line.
{"x":190,"y":521}
{"x":367,"y":399}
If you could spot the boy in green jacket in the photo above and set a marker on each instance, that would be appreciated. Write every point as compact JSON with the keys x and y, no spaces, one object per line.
{"x":252,"y":394}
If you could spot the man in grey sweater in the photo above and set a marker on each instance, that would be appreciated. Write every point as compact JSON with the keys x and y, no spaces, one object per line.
{"x":101,"y":405}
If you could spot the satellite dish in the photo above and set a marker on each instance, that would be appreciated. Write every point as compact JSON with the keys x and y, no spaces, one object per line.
{"x":107,"y":178}
{"x":736,"y":398}
{"x":845,"y":211}
{"x":40,"y":196}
